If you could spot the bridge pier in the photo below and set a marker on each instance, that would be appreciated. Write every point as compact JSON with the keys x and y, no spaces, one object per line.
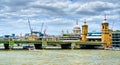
{"x":44,"y":44}
{"x":66,"y":46}
{"x":6,"y":46}
{"x":41,"y":46}
{"x":38,"y":46}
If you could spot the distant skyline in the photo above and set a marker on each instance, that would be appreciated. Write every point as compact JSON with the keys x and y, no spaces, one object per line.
{"x":56,"y":15}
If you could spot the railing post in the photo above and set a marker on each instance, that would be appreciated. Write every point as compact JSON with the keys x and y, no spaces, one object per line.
{"x":11,"y":43}
{"x":44,"y":44}
{"x":73,"y":45}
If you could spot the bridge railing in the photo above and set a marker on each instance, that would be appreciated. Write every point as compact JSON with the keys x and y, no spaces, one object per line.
{"x":51,"y":42}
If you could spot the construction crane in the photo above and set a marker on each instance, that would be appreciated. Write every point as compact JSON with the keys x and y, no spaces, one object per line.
{"x":30,"y":27}
{"x":42,"y":27}
{"x":112,"y":25}
{"x":45,"y":31}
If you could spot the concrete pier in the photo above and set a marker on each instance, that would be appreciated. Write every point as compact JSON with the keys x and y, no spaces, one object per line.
{"x":38,"y":46}
{"x":66,"y":46}
{"x":6,"y":46}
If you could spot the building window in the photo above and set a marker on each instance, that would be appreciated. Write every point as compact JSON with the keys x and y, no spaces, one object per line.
{"x":103,"y":27}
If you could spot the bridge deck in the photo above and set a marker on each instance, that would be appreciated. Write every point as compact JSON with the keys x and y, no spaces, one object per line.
{"x":51,"y":42}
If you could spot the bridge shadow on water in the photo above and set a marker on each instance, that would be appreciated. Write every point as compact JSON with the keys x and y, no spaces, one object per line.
{"x":52,"y":49}
{"x":57,"y":48}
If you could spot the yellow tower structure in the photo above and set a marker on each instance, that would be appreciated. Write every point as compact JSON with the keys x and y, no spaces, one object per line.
{"x":84,"y":31}
{"x":106,"y":34}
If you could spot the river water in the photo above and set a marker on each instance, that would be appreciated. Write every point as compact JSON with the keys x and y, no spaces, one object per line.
{"x":59,"y":57}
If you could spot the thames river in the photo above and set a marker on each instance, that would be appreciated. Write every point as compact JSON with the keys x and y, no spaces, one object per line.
{"x":59,"y":57}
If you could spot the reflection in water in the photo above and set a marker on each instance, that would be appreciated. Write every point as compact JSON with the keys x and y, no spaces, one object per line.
{"x":60,"y":57}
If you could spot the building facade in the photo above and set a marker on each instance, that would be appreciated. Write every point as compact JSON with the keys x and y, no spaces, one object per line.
{"x":94,"y":36}
{"x":116,"y":39}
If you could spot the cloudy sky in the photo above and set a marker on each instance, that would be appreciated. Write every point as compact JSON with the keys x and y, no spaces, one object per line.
{"x":56,"y":15}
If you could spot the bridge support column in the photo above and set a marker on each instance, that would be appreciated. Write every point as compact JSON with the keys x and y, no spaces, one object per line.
{"x":41,"y":46}
{"x":44,"y":44}
{"x":6,"y":46}
{"x":38,"y":46}
{"x":66,"y":46}
{"x":73,"y":45}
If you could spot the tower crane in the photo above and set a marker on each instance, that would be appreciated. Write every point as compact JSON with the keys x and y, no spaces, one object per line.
{"x":45,"y":31}
{"x":42,"y":27}
{"x":30,"y":27}
{"x":112,"y":25}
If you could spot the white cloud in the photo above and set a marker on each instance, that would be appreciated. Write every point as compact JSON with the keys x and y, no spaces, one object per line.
{"x":57,"y":15}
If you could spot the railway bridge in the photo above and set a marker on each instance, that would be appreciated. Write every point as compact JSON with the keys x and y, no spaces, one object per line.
{"x":38,"y":44}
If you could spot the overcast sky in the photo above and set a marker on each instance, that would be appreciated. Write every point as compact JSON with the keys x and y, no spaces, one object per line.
{"x":56,"y":15}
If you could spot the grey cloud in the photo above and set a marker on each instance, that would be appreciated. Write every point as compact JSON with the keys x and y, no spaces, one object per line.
{"x":96,"y":8}
{"x":52,"y":10}
{"x":15,"y":6}
{"x":59,"y":24}
{"x":86,"y":13}
{"x":15,"y":2}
